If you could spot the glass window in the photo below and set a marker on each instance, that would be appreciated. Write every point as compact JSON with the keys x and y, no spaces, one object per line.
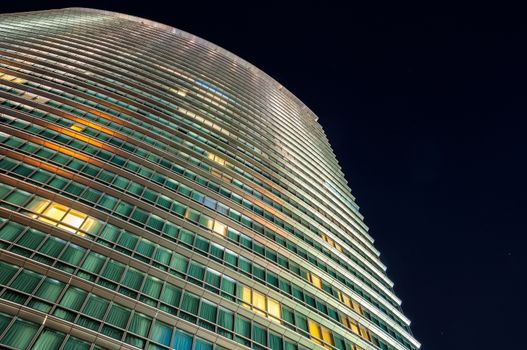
{"x":6,"y":272}
{"x":171,"y":295}
{"x":161,"y":333}
{"x":49,"y":339}
{"x":20,"y":334}
{"x":202,"y":345}
{"x":259,"y":335}
{"x":182,"y":341}
{"x":26,"y":281}
{"x":118,"y":316}
{"x":73,"y":298}
{"x":140,"y":324}
{"x":243,"y":328}
{"x":50,"y":290}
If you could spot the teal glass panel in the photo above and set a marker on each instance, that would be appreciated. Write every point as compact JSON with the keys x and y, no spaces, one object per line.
{"x":182,"y":341}
{"x":49,"y":339}
{"x":19,"y":334}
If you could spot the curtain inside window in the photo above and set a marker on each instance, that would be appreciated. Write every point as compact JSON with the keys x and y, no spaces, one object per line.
{"x":275,"y":342}
{"x":202,"y":345}
{"x":140,"y":324}
{"x":48,"y":339}
{"x":76,"y":344}
{"x":96,"y":307}
{"x":26,"y":281}
{"x":6,"y":272}
{"x":161,"y":333}
{"x":182,"y":341}
{"x":113,"y":271}
{"x":50,"y":290}
{"x":171,"y":295}
{"x":20,"y":334}
{"x":118,"y":316}
{"x":208,"y":311}
{"x":73,"y":298}
{"x":152,"y":287}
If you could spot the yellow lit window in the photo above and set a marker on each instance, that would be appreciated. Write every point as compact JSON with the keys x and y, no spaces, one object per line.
{"x":76,"y":127}
{"x":90,"y":224}
{"x":179,"y":92}
{"x":315,"y":281}
{"x":73,"y":220}
{"x":273,"y":308}
{"x":7,"y":77}
{"x":55,"y":212}
{"x":246,"y":297}
{"x":327,"y":337}
{"x":338,"y":247}
{"x":68,"y":219}
{"x":353,"y":326}
{"x":357,"y":308}
{"x":215,"y":158}
{"x":220,"y":228}
{"x":259,"y":303}
{"x":345,"y":299}
{"x":314,"y":330}
{"x":364,"y":333}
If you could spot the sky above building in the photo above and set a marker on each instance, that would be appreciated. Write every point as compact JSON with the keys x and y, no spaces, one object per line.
{"x":425,"y":110}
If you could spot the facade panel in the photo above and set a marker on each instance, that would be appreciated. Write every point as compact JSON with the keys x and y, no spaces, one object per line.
{"x":158,"y":192}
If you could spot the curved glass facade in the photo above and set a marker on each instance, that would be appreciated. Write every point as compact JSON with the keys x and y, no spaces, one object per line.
{"x":158,"y":192}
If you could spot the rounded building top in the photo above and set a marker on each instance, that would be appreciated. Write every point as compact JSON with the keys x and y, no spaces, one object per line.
{"x":194,"y":38}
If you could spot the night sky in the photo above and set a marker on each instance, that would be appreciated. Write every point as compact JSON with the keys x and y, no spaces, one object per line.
{"x":425,"y":110}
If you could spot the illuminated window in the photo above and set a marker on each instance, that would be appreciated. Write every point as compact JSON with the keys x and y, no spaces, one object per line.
{"x":357,"y":308}
{"x":68,"y":219}
{"x":259,"y":303}
{"x":220,"y":228}
{"x":327,"y":337}
{"x":351,"y":324}
{"x":273,"y":308}
{"x":55,"y":212}
{"x":345,"y":299}
{"x":77,"y":127}
{"x":73,"y":220}
{"x":215,"y":158}
{"x":314,"y":330}
{"x":179,"y":92}
{"x":315,"y":280}
{"x":364,"y":333}
{"x":246,"y":296}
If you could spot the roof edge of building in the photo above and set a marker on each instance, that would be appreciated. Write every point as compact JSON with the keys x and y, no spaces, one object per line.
{"x":194,"y":38}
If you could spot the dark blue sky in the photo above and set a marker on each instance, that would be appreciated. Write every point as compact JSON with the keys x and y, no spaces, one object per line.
{"x":426,"y":111}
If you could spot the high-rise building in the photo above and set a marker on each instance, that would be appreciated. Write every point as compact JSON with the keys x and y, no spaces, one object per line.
{"x":158,"y":192}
